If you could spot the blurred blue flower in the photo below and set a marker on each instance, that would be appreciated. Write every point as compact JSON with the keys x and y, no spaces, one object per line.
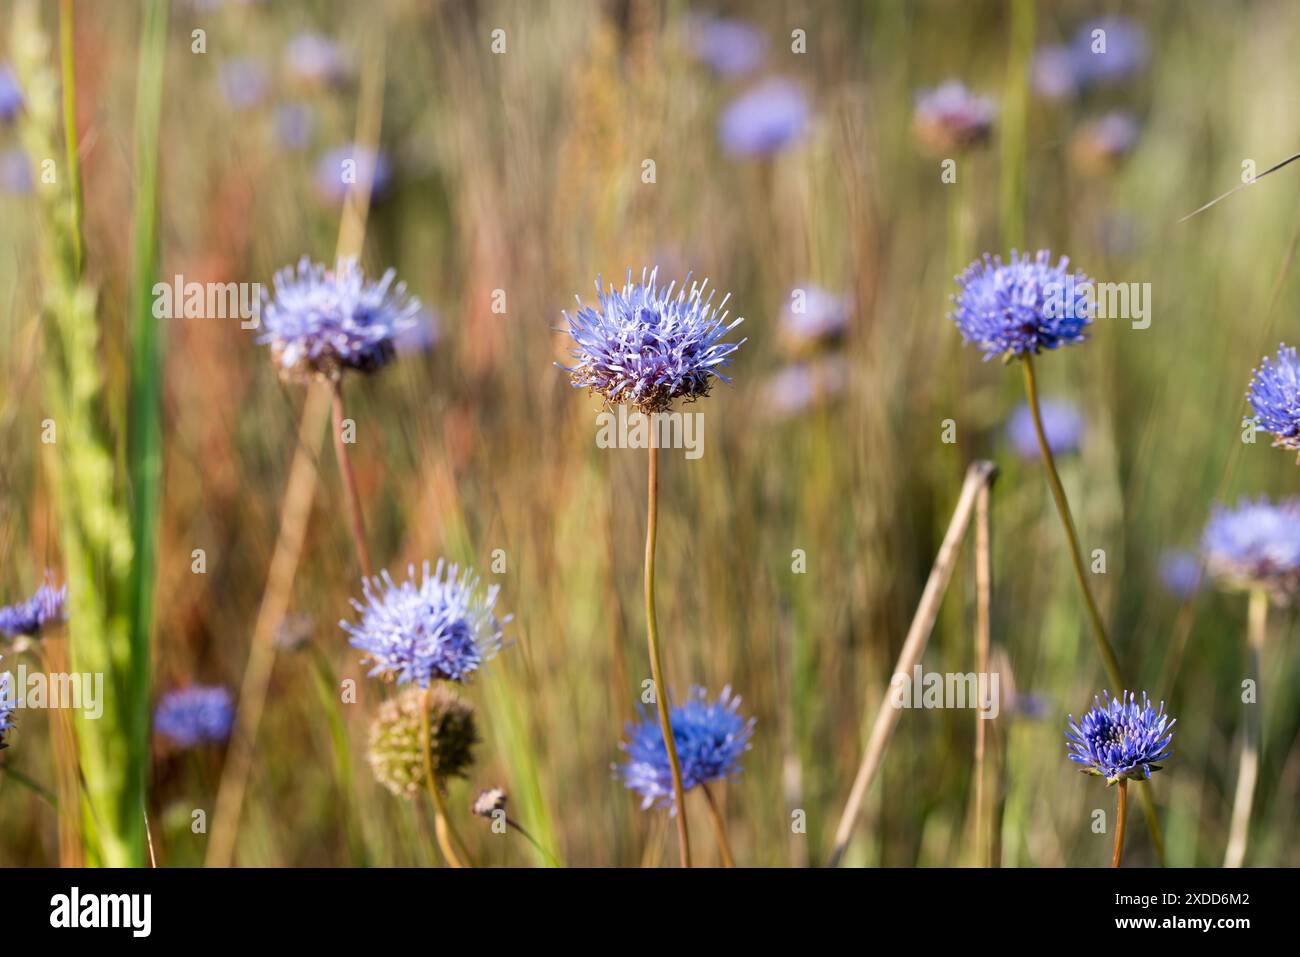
{"x":729,"y":47}
{"x":813,"y":317}
{"x":1100,"y":145}
{"x":711,"y":737}
{"x":798,"y":388}
{"x":439,"y":628}
{"x":1022,"y":307}
{"x":648,"y":346}
{"x":321,"y":323}
{"x":1109,"y":50}
{"x":1119,"y":739}
{"x":422,"y":335}
{"x":1275,"y":396}
{"x":1255,"y":545}
{"x":7,"y":705}
{"x":11,"y":94}
{"x":951,"y":118}
{"x":15,"y":172}
{"x":294,"y":124}
{"x":765,"y":119}
{"x":195,"y":715}
{"x":315,"y":59}
{"x":1062,"y":424}
{"x":29,"y":618}
{"x":1180,"y":573}
{"x":243,"y":83}
{"x":1054,"y":73}
{"x":349,"y":166}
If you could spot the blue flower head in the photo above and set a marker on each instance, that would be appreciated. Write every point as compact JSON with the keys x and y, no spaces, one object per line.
{"x":1119,"y":739}
{"x":314,"y":59}
{"x":1108,"y":51}
{"x":437,"y":628}
{"x":349,"y":167}
{"x":765,"y":119}
{"x":11,"y":94}
{"x":1255,"y":545}
{"x":1062,"y":425}
{"x":1275,"y":396}
{"x":813,"y":317}
{"x":729,"y":47}
{"x":1180,"y":573}
{"x":31,"y":617}
{"x":648,"y":346}
{"x":195,"y":715}
{"x":1022,"y":307}
{"x":951,"y":118}
{"x":321,"y":323}
{"x":710,"y":739}
{"x":6,"y":708}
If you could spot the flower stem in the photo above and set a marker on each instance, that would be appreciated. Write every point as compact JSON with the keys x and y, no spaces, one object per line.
{"x":350,"y":483}
{"x":1248,"y":770}
{"x":719,"y":828}
{"x":1076,"y":556}
{"x":511,"y":822}
{"x":448,"y":840}
{"x":983,"y":589}
{"x":656,"y":669}
{"x":1120,"y":814}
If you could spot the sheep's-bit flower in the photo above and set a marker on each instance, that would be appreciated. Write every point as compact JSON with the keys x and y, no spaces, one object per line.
{"x":1022,"y":307}
{"x":11,"y":94}
{"x":6,"y":708}
{"x":31,"y":617}
{"x":951,"y":118}
{"x":1109,"y":50}
{"x":1054,"y":73}
{"x":440,"y":628}
{"x":765,"y":119}
{"x":1180,"y":573}
{"x":1275,"y":396}
{"x":710,"y":739}
{"x":649,"y":346}
{"x":397,"y":738}
{"x":1062,"y":425}
{"x":349,"y":167}
{"x":729,"y":47}
{"x":321,"y":323}
{"x":804,"y":386}
{"x":812,"y":318}
{"x":1099,"y":146}
{"x":1119,"y":739}
{"x":195,"y":715}
{"x":489,"y":802}
{"x":1255,"y":545}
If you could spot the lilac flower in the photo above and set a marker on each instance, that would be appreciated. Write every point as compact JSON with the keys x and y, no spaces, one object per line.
{"x":11,"y":94}
{"x":315,"y":59}
{"x":1062,"y":425}
{"x":15,"y":172}
{"x":1180,"y":573}
{"x":321,"y":323}
{"x":1022,"y":307}
{"x":195,"y":715}
{"x":352,"y":166}
{"x":1255,"y":545}
{"x":439,"y":628}
{"x":1054,"y":73}
{"x":951,"y":118}
{"x":1100,"y":145}
{"x":243,"y":83}
{"x":1119,"y":739}
{"x":711,"y":737}
{"x":765,"y":119}
{"x":649,"y":346}
{"x":1275,"y":396}
{"x":1109,"y":50}
{"x":31,"y":617}
{"x":813,"y":317}
{"x":729,"y":47}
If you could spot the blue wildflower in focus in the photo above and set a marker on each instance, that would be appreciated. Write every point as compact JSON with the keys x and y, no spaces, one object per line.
{"x":1255,"y":545}
{"x":321,"y":323}
{"x":29,"y":618}
{"x":11,"y":94}
{"x":242,"y":82}
{"x":195,"y":715}
{"x":729,"y":47}
{"x":437,"y":628}
{"x":1062,"y":425}
{"x":765,"y":119}
{"x":15,"y":172}
{"x":294,"y":124}
{"x":352,"y":167}
{"x":1022,"y":307}
{"x":7,"y":705}
{"x":1119,"y":739}
{"x":314,"y":59}
{"x":1180,"y":573}
{"x":648,"y":346}
{"x":710,"y":739}
{"x":1108,"y":51}
{"x":1275,"y":396}
{"x":812,"y":318}
{"x":951,"y":118}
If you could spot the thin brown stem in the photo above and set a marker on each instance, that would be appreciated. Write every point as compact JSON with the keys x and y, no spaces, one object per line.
{"x":719,"y":827}
{"x":1120,"y":814}
{"x":983,"y":589}
{"x":355,"y":515}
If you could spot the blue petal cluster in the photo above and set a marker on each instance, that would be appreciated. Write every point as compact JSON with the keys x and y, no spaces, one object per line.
{"x":195,"y":715}
{"x":437,"y":628}
{"x":1022,"y":307}
{"x":1062,"y":425}
{"x":765,"y":119}
{"x":1118,"y":53}
{"x":710,"y":739}
{"x":1120,"y":739}
{"x":1255,"y":545}
{"x":321,"y":323}
{"x":29,"y":618}
{"x":1275,"y":396}
{"x":649,"y":346}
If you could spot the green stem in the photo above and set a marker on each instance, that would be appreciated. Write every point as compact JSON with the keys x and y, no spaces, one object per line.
{"x":355,"y":515}
{"x":555,"y":861}
{"x":71,"y":140}
{"x":656,"y":668}
{"x":448,"y":840}
{"x":1120,"y":814}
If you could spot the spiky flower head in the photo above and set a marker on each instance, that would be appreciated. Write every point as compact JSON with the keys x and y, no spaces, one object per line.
{"x":489,"y":802}
{"x":437,"y":628}
{"x":322,"y":322}
{"x":6,"y":708}
{"x":1062,"y":426}
{"x":1255,"y":545}
{"x":1119,"y":739}
{"x":765,"y":119}
{"x":397,"y":751}
{"x":1023,"y":306}
{"x":1275,"y":396}
{"x":950,"y":119}
{"x":648,"y":346}
{"x":195,"y":715}
{"x":710,"y":739}
{"x":31,"y":617}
